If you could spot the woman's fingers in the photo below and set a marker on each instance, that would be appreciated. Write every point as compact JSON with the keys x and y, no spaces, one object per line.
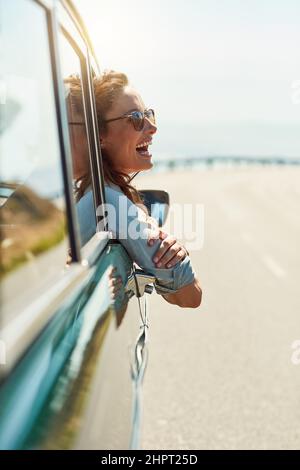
{"x":170,"y":251}
{"x":170,"y":255}
{"x":163,"y":235}
{"x":165,"y":245}
{"x":179,"y":256}
{"x":156,"y":234}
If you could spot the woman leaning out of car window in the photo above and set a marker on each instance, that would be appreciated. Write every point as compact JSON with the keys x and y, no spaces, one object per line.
{"x":126,"y":130}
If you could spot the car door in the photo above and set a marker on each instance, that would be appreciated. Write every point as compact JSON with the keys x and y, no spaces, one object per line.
{"x":73,"y":354}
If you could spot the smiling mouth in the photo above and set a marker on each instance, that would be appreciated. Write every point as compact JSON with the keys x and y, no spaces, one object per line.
{"x":142,"y":149}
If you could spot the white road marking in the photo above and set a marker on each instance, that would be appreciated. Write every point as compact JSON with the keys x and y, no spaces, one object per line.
{"x":273,"y":266}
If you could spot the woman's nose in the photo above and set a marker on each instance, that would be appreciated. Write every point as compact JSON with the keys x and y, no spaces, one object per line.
{"x":150,"y":127}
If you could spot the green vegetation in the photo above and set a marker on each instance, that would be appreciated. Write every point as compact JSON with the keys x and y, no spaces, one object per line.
{"x":42,"y":245}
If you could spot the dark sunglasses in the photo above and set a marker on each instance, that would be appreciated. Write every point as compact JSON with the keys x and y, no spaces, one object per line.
{"x":137,"y":118}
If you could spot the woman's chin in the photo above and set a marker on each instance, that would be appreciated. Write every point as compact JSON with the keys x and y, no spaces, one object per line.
{"x":146,"y":166}
{"x":144,"y":162}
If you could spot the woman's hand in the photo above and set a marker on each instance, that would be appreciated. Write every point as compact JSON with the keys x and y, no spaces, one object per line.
{"x":170,"y":251}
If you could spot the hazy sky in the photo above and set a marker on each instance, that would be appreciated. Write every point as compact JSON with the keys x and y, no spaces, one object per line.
{"x":205,"y":62}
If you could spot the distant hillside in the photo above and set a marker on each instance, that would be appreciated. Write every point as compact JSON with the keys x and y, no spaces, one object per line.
{"x":29,"y":225}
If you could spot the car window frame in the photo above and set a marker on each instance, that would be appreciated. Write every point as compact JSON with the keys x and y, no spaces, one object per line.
{"x":21,"y":331}
{"x":69,"y":23}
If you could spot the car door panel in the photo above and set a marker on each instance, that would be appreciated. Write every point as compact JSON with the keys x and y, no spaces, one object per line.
{"x":77,"y":375}
{"x":74,"y":371}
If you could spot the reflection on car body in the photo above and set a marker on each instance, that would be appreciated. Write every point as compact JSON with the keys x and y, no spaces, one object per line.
{"x":75,"y":351}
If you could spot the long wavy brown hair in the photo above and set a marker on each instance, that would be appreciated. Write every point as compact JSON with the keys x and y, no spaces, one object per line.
{"x":107,"y":89}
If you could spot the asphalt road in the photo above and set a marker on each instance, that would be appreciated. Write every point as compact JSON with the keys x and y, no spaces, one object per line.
{"x":221,"y":376}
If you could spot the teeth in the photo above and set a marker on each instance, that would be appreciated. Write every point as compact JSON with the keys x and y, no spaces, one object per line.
{"x":143,"y":144}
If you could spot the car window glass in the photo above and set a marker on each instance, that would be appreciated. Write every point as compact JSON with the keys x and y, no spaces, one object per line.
{"x":34,"y":241}
{"x":82,"y":184}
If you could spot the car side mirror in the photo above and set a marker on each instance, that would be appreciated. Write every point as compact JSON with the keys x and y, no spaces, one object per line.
{"x":157,"y":203}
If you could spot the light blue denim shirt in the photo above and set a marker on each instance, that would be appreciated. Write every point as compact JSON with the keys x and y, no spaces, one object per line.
{"x":127,"y":223}
{"x":86,"y":216}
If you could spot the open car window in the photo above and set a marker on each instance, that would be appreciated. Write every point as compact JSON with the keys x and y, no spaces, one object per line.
{"x":71,"y":65}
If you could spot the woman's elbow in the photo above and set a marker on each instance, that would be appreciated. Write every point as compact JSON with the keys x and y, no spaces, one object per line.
{"x":194,"y":301}
{"x":189,"y":296}
{"x":193,"y":296}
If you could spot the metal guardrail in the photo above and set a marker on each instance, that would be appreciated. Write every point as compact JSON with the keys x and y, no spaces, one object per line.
{"x":173,"y":164}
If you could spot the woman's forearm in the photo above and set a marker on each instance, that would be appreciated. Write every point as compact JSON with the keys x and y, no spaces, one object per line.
{"x":189,"y":296}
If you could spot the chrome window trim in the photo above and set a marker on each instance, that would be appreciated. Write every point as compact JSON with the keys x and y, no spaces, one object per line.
{"x":91,"y":134}
{"x":76,"y":20}
{"x":47,"y":4}
{"x":64,"y":20}
{"x":85,"y":55}
{"x":71,"y":23}
{"x":94,"y":122}
{"x":82,"y":60}
{"x":63,"y":132}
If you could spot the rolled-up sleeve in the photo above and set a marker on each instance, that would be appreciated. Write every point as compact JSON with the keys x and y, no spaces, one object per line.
{"x":128,"y":225}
